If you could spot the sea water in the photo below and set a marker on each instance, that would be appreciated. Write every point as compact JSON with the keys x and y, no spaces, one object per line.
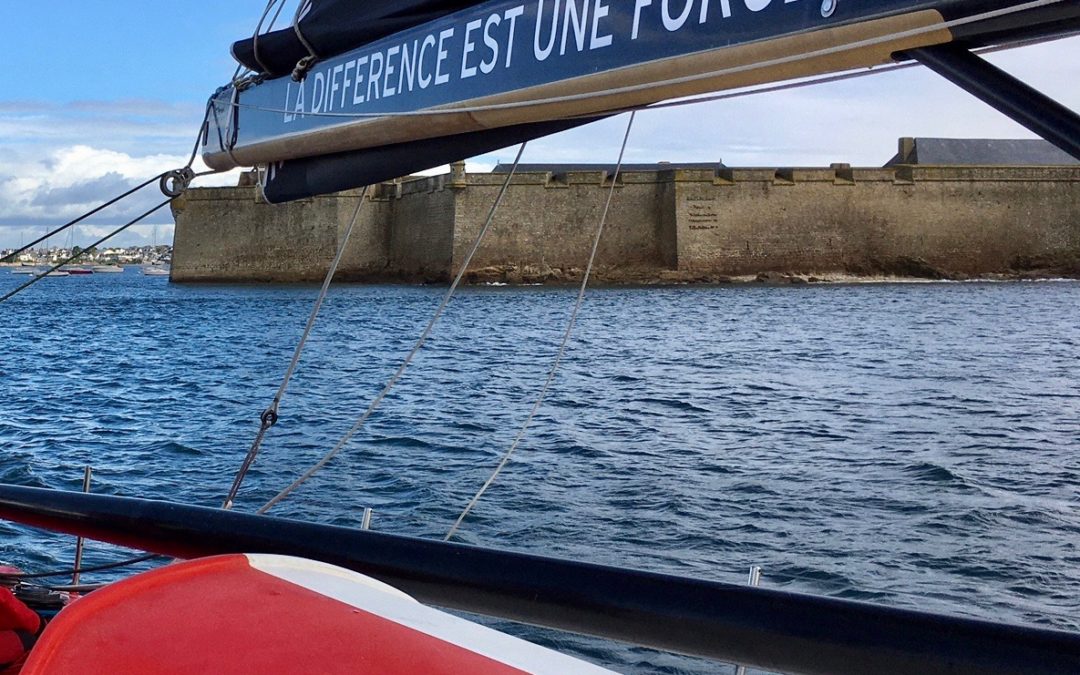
{"x":915,"y":445}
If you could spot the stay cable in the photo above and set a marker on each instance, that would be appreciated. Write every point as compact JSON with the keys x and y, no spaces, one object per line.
{"x":562,"y":346}
{"x":412,"y":354}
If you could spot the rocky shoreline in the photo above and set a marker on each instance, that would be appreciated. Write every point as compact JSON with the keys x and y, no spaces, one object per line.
{"x":891,"y":270}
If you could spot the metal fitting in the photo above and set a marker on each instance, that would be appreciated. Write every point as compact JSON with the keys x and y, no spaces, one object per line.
{"x":174,"y":183}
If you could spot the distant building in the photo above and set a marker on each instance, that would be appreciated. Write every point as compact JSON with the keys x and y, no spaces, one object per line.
{"x":980,"y":152}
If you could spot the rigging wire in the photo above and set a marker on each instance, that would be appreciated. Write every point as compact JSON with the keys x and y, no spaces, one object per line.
{"x":78,"y":255}
{"x":832,"y":586}
{"x":159,"y":177}
{"x":172,"y":183}
{"x":732,"y":70}
{"x":269,"y":416}
{"x":273,"y":20}
{"x":562,"y":346}
{"x":12,"y":256}
{"x":827,"y":79}
{"x":416,"y":347}
{"x":81,"y":589}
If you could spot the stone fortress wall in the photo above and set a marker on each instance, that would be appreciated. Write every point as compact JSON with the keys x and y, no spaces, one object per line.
{"x":668,"y":224}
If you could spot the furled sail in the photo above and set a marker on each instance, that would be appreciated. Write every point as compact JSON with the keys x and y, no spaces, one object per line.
{"x":333,"y":27}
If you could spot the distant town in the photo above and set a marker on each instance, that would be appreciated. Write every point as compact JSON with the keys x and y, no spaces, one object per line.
{"x":132,"y":255}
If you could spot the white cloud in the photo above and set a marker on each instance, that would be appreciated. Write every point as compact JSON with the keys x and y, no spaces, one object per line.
{"x":59,"y":160}
{"x":856,"y":121}
{"x":37,"y":194}
{"x":67,"y":181}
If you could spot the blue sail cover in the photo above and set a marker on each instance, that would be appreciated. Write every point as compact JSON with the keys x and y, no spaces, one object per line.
{"x":333,"y":27}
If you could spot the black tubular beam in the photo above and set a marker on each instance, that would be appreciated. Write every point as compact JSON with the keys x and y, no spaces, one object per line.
{"x":323,"y":174}
{"x":769,"y":629}
{"x":1036,"y":111}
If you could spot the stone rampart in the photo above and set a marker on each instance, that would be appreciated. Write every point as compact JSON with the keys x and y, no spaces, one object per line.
{"x":970,"y":220}
{"x":674,"y":224}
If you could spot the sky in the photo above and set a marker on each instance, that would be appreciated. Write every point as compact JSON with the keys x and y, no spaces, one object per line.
{"x":96,"y":97}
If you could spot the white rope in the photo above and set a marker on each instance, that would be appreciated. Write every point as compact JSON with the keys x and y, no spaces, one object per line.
{"x":416,"y":348}
{"x":562,"y":346}
{"x":733,"y":70}
{"x":270,"y":415}
{"x":319,"y":302}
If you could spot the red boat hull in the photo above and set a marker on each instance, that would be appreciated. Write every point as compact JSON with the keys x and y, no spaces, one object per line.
{"x":257,"y":614}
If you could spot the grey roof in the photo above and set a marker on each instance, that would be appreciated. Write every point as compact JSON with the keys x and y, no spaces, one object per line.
{"x":610,"y":168}
{"x":980,"y":151}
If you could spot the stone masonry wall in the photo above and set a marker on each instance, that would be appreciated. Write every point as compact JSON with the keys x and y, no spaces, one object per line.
{"x":420,"y":229}
{"x":550,"y":221}
{"x":670,"y":225}
{"x":230,"y":234}
{"x":970,"y":220}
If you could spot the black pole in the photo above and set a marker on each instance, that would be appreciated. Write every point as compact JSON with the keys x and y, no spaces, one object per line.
{"x":770,"y":629}
{"x":1027,"y":106}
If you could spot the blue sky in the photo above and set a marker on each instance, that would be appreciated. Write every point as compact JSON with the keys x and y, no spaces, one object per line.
{"x":96,"y":96}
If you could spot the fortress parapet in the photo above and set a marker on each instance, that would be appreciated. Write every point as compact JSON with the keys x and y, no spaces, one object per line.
{"x":667,"y":223}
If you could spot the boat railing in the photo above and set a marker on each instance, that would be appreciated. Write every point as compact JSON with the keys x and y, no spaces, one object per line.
{"x":765,"y":628}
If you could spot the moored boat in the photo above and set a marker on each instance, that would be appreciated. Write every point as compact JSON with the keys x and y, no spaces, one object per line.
{"x":156,"y":271}
{"x":107,"y":269}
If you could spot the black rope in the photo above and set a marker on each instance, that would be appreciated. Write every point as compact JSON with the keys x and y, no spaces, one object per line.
{"x":83,"y":570}
{"x":79,"y":254}
{"x":11,"y":257}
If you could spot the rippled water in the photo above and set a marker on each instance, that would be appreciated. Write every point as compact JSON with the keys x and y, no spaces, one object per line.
{"x":908,"y":444}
